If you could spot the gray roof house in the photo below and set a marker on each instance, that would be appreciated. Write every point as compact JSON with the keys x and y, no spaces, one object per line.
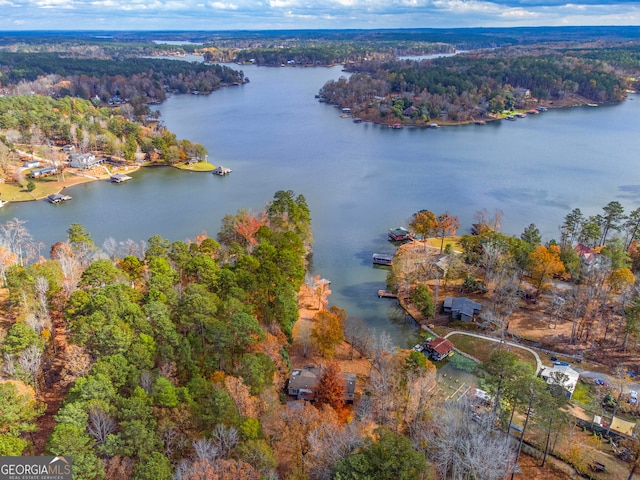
{"x":461,"y":307}
{"x":84,"y":160}
{"x":303,"y":383}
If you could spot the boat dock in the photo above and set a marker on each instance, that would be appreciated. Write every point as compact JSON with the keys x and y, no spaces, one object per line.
{"x":385,"y":294}
{"x":58,"y":198}
{"x":382,"y":259}
{"x":120,"y":178}
{"x":222,"y":171}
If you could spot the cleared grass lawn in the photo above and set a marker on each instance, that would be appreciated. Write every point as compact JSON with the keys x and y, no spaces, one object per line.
{"x":13,"y":192}
{"x":482,"y":349}
{"x":583,"y":394}
{"x":197,"y":167}
{"x":453,"y":241}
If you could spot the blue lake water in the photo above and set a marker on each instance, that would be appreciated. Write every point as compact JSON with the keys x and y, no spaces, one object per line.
{"x":359,"y":179}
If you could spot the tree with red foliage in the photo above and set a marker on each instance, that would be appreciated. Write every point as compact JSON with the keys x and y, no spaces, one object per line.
{"x":330,"y":390}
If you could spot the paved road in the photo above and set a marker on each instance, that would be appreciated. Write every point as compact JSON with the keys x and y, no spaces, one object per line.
{"x":491,"y":339}
{"x":634,"y":383}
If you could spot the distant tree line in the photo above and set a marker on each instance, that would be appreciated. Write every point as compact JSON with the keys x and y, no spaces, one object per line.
{"x":59,"y":75}
{"x":330,"y":53}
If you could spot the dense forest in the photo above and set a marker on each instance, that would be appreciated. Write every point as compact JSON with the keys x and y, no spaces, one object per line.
{"x":169,"y":359}
{"x":151,"y":79}
{"x":41,"y":122}
{"x":477,"y":85}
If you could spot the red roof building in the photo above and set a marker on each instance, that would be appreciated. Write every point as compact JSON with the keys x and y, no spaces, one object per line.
{"x":440,"y":348}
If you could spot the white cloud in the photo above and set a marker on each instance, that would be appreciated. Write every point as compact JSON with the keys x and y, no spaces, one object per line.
{"x":224,"y":6}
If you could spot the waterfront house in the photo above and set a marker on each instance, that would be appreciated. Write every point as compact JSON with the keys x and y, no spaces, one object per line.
{"x":44,"y":172}
{"x":304,"y":382}
{"x":439,"y":348}
{"x":461,"y":308}
{"x":84,"y":160}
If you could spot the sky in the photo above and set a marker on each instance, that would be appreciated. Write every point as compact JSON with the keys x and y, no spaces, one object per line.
{"x":309,"y":14}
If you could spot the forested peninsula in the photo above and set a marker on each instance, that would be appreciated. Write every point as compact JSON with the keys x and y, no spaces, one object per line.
{"x":484,"y":85}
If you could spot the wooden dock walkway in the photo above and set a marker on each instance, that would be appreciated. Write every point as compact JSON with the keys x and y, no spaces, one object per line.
{"x":385,"y":294}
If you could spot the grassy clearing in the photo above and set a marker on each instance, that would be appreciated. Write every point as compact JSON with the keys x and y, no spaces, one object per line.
{"x":583,"y":394}
{"x":197,"y":167}
{"x":453,"y":241}
{"x":482,"y":349}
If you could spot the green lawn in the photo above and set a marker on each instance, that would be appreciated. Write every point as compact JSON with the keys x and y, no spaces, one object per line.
{"x":583,"y":394}
{"x":197,"y":167}
{"x":482,"y":349}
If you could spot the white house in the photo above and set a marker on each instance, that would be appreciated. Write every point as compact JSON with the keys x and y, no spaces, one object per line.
{"x":561,"y":374}
{"x":83,"y":160}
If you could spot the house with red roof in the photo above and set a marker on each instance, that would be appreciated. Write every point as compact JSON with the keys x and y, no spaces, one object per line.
{"x":439,"y":348}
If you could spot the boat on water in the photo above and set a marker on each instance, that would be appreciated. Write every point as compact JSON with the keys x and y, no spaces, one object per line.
{"x":542,"y":109}
{"x":521,"y":115}
{"x":480,"y":122}
{"x":357,"y":120}
{"x":510,"y":118}
{"x":395,"y":126}
{"x":3,"y":203}
{"x":434,"y":125}
{"x":533,"y":112}
{"x":58,"y":198}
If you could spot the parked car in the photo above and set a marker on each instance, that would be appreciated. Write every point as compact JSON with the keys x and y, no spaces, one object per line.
{"x":633,"y":397}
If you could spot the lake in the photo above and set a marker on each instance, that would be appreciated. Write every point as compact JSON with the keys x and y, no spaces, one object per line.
{"x":359,"y":179}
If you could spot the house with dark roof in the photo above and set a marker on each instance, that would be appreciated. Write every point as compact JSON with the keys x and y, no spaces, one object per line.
{"x":304,"y":382}
{"x":439,"y":348}
{"x":43,"y":172}
{"x":461,"y":308}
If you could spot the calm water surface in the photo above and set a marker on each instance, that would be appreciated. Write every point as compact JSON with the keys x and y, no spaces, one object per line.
{"x":359,"y":179}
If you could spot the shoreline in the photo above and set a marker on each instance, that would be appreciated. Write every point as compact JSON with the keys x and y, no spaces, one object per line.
{"x":78,"y":178}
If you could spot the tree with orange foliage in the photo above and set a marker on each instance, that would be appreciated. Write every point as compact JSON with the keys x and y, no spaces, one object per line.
{"x":328,"y":330}
{"x":545,"y":263}
{"x":7,"y":258}
{"x":247,"y":226}
{"x":331,"y":389}
{"x":446,"y":224}
{"x":424,"y":223}
{"x":620,"y":278}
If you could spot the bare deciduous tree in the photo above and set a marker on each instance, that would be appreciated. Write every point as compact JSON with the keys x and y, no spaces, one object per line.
{"x":225,"y":439}
{"x":465,"y":444}
{"x":30,"y":360}
{"x":100,"y":424}
{"x":329,"y":444}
